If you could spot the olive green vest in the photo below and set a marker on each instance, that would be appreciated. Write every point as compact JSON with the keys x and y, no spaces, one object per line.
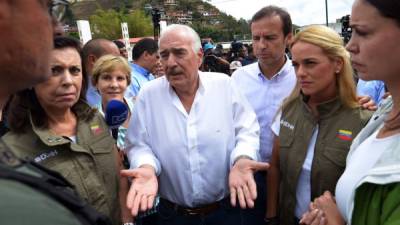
{"x":22,"y":204}
{"x":90,"y":164}
{"x":337,"y":125}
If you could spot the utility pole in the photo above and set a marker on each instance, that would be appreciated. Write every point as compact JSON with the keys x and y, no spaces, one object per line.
{"x":326,"y":11}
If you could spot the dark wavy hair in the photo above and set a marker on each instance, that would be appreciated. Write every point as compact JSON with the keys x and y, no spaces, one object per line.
{"x":26,"y":102}
{"x":388,"y":8}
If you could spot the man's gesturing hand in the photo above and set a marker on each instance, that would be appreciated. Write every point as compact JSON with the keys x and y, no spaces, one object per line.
{"x":241,"y":181}
{"x":143,"y":189}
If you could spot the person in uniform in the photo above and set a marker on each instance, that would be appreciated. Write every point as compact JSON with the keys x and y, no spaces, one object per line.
{"x":31,"y":194}
{"x":52,"y":125}
{"x":368,"y":192}
{"x":316,"y":124}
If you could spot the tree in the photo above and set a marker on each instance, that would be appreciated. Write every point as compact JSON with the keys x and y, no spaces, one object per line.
{"x":107,"y":24}
{"x":139,"y":24}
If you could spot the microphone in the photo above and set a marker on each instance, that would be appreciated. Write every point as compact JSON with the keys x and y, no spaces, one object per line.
{"x":116,"y":113}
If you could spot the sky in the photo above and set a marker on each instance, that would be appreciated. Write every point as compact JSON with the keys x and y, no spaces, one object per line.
{"x":303,"y":12}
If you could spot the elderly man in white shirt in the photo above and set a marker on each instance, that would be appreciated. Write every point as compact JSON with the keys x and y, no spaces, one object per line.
{"x":194,"y":136}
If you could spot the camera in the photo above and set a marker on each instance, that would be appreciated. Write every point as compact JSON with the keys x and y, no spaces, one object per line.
{"x":210,"y":61}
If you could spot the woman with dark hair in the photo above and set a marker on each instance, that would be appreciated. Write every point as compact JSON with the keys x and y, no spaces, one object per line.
{"x":52,"y":125}
{"x":368,"y":192}
{"x":316,"y":125}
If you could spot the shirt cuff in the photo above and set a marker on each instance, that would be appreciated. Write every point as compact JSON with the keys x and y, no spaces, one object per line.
{"x":146,"y":160}
{"x":244,"y":151}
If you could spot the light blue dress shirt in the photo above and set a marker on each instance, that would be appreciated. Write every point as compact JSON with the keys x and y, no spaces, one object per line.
{"x":192,"y":152}
{"x":265,"y":96}
{"x":92,"y":95}
{"x":139,"y":76}
{"x":373,"y":88}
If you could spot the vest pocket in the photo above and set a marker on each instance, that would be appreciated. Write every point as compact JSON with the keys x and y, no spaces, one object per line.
{"x":336,"y":155}
{"x":285,"y":140}
{"x":102,"y":144}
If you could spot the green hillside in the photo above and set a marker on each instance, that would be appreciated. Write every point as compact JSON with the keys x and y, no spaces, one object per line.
{"x":206,"y":19}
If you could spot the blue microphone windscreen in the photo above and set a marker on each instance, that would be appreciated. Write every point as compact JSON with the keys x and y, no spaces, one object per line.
{"x":116,"y":113}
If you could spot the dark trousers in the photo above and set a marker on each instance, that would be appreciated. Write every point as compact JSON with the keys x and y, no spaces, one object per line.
{"x":225,"y":214}
{"x":255,"y":216}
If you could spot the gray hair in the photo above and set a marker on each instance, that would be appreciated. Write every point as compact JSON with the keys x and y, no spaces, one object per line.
{"x":196,"y":42}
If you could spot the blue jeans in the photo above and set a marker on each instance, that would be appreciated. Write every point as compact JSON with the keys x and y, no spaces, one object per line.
{"x":255,"y":216}
{"x":224,"y":215}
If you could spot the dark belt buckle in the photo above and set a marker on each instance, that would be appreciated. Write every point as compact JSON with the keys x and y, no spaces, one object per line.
{"x":192,"y":212}
{"x":201,"y":210}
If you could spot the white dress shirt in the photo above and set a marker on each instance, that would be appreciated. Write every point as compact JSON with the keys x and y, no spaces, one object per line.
{"x":265,"y":96}
{"x":192,"y":152}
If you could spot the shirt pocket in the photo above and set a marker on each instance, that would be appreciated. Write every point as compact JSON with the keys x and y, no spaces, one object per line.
{"x":285,"y":139}
{"x":336,"y":156}
{"x":103,"y":144}
{"x":102,"y":148}
{"x":285,"y":150}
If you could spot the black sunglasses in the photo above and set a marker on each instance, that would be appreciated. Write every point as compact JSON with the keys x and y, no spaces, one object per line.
{"x":57,"y":9}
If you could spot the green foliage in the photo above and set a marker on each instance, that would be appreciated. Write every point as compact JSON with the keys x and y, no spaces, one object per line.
{"x":139,"y":24}
{"x":74,"y":35}
{"x":226,"y":29}
{"x":107,"y":23}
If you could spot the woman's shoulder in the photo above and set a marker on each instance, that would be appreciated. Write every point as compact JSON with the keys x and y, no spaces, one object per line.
{"x":292,"y":105}
{"x":21,"y":143}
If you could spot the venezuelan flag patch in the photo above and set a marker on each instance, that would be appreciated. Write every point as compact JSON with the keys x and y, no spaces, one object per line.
{"x":96,"y":129}
{"x":345,"y":135}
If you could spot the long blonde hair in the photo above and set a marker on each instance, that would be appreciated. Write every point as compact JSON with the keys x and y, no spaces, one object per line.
{"x":332,"y":45}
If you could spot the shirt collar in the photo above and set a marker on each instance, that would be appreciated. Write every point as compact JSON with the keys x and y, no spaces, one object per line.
{"x":283,"y":71}
{"x":199,"y":93}
{"x":325,"y":109}
{"x":51,"y":139}
{"x":140,"y":69}
{"x":200,"y":89}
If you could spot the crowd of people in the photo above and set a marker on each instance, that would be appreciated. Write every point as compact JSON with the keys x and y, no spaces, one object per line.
{"x":247,"y":137}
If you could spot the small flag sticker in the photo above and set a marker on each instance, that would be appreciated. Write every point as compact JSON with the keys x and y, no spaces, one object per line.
{"x":96,"y":129}
{"x":345,"y":135}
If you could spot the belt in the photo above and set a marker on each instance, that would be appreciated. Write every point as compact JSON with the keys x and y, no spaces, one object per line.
{"x":202,"y":210}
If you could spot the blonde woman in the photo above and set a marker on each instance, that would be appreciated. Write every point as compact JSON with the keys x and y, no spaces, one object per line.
{"x":368,"y":192}
{"x":111,"y":77}
{"x":316,"y":125}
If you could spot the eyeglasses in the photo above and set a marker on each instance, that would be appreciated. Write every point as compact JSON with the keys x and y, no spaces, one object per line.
{"x":57,"y":8}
